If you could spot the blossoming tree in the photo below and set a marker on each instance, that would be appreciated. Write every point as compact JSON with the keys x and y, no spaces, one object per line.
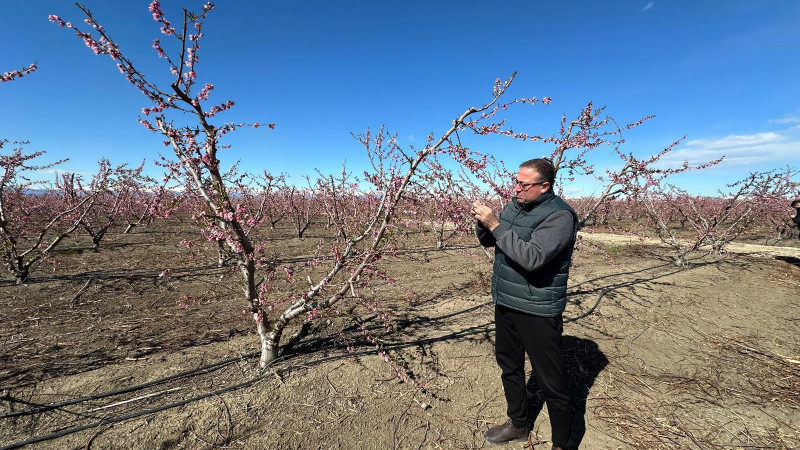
{"x":197,"y":148}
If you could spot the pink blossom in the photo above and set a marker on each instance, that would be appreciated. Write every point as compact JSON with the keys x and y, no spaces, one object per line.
{"x":55,"y":18}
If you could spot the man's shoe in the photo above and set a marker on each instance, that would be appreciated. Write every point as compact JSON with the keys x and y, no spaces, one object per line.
{"x":505,"y":433}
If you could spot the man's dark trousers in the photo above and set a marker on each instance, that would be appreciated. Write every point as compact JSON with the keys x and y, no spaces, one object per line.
{"x":518,"y":333}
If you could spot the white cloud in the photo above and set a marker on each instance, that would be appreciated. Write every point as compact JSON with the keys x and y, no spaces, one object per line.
{"x":787,"y":120}
{"x":411,"y":137}
{"x":648,"y":6}
{"x":739,"y":149}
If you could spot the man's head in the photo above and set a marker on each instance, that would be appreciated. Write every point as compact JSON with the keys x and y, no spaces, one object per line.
{"x":535,"y":177}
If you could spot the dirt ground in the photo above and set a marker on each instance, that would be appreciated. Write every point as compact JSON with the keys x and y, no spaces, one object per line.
{"x":101,"y":352}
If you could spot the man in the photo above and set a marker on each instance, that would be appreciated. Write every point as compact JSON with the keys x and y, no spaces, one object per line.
{"x":796,"y":217}
{"x":533,"y":239}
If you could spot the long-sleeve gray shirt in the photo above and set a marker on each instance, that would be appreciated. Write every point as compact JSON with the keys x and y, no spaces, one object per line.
{"x":552,"y":236}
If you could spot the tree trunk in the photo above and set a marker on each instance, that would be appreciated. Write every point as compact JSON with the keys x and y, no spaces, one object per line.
{"x":222,"y":259}
{"x":96,"y":238}
{"x":21,"y":275}
{"x":269,"y":347}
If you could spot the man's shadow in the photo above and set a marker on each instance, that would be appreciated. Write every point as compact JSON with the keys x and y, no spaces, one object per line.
{"x":583,"y":362}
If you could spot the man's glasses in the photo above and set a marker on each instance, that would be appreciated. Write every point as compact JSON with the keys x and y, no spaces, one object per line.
{"x":525,"y":186}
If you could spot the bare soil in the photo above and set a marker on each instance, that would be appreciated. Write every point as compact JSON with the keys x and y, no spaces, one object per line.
{"x":100,"y":351}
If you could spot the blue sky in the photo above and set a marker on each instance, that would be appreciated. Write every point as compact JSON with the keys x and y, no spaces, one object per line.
{"x":725,"y":74}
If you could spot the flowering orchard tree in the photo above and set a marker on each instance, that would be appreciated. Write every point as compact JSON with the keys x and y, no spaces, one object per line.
{"x":147,"y":197}
{"x":486,"y":176}
{"x":109,"y":193}
{"x":590,"y":131}
{"x":255,"y":203}
{"x":34,"y":217}
{"x":659,"y":205}
{"x":759,"y":200}
{"x":774,"y":191}
{"x":342,"y":200}
{"x":573,"y":146}
{"x":271,"y":191}
{"x":301,"y":209}
{"x":197,"y":148}
{"x":442,"y":203}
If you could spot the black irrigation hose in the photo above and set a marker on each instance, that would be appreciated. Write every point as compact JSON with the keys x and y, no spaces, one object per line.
{"x":225,"y":362}
{"x":206,"y":368}
{"x":68,"y":431}
{"x":43,"y":408}
{"x":65,"y":432}
{"x":61,"y":433}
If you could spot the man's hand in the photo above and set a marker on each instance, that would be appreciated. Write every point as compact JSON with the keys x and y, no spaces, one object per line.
{"x":484,"y":215}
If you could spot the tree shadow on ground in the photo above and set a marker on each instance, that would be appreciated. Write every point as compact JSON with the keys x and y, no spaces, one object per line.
{"x":126,"y":274}
{"x":789,"y":259}
{"x":583,"y":362}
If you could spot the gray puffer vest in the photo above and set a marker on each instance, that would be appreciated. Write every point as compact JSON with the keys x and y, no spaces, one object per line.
{"x":542,"y":292}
